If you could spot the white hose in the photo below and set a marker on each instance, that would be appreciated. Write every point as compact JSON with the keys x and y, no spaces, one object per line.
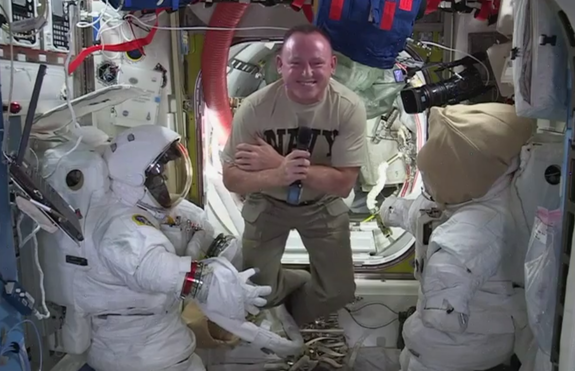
{"x":22,"y":242}
{"x":371,"y":201}
{"x":228,"y":202}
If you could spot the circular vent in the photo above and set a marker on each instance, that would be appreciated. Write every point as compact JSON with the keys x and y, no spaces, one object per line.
{"x":134,"y":55}
{"x":553,"y":174}
{"x":75,"y":180}
{"x":107,"y":73}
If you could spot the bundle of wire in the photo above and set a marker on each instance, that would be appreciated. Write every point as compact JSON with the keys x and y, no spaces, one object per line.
{"x":18,"y":349}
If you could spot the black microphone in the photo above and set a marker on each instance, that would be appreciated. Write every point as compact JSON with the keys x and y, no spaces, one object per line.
{"x":304,"y":134}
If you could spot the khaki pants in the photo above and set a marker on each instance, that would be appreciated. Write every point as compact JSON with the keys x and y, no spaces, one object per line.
{"x":324,"y":230}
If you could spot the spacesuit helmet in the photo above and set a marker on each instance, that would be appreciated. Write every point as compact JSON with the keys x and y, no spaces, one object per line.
{"x":469,"y":147}
{"x":151,"y":165}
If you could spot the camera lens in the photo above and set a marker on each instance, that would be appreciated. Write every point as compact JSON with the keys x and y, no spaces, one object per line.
{"x":413,"y":100}
{"x":466,"y":85}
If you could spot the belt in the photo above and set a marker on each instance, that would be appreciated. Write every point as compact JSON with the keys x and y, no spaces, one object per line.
{"x":305,"y":203}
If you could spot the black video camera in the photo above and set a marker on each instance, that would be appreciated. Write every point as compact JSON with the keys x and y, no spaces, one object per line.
{"x":464,"y":85}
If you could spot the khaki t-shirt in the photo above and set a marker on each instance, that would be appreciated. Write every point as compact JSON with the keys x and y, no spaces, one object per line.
{"x":338,"y":124}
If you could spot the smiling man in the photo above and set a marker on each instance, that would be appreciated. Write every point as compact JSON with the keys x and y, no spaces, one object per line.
{"x":260,"y":160}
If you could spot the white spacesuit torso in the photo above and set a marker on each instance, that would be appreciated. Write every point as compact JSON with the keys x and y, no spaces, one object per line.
{"x":101,"y":307}
{"x":466,"y":300}
{"x":145,"y":249}
{"x":134,"y":302}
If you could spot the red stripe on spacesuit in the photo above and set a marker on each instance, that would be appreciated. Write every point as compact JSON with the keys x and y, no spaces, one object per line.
{"x":388,"y":15}
{"x":336,"y":10}
{"x":189,"y":280}
{"x":406,"y":5}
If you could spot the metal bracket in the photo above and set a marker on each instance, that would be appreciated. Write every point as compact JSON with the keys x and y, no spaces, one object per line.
{"x":383,"y":126}
{"x":250,"y":68}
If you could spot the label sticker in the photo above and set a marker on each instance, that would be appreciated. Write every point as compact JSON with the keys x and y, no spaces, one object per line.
{"x":142,"y":220}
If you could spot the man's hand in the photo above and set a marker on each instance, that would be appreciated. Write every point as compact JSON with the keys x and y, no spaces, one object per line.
{"x":295,"y":166}
{"x":258,"y":157}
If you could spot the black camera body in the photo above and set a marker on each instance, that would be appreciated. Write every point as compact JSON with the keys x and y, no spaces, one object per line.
{"x":464,"y":85}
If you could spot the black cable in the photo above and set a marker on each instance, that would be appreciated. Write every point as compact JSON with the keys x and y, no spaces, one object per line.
{"x":416,"y":56}
{"x":355,"y":310}
{"x":369,"y":305}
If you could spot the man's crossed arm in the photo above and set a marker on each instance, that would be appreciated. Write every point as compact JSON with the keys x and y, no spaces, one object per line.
{"x":257,"y":167}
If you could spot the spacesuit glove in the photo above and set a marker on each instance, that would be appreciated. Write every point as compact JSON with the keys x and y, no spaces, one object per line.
{"x":403,"y":213}
{"x":394,"y":212}
{"x":227,"y":292}
{"x":253,"y":293}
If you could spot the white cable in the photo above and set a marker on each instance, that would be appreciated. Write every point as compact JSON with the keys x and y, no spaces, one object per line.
{"x":371,"y":200}
{"x":24,"y":361}
{"x":100,"y":35}
{"x":45,"y":309}
{"x":105,"y":18}
{"x":6,"y":116}
{"x":69,"y":93}
{"x":354,"y":353}
{"x":16,"y":327}
{"x":79,"y":24}
{"x":23,"y":365}
{"x":203,"y":28}
{"x":82,"y":24}
{"x":104,"y":27}
{"x":22,"y":242}
{"x":78,"y":141}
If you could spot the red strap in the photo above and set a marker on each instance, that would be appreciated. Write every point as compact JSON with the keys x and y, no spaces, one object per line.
{"x":406,"y":5}
{"x":432,"y":6}
{"x":388,"y":15}
{"x":307,"y":9}
{"x":336,"y":9}
{"x":488,"y":8}
{"x":308,"y":12}
{"x":297,"y":4}
{"x":123,"y":47}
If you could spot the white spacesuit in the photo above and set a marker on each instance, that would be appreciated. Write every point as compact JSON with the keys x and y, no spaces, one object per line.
{"x":137,"y":235}
{"x":469,"y":310}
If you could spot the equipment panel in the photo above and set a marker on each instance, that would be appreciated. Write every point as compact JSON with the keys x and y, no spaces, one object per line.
{"x":57,"y":28}
{"x":21,"y":10}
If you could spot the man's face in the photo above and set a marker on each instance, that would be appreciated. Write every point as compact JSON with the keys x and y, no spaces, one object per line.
{"x":306,"y":64}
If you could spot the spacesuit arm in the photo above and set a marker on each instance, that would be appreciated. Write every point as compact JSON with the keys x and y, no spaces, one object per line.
{"x":142,"y":257}
{"x":462,"y":257}
{"x":447,"y":288}
{"x":203,"y":231}
{"x":200,"y":242}
{"x":403,"y":213}
{"x":203,"y":243}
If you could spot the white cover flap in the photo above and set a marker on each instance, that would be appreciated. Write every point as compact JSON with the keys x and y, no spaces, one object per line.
{"x":59,"y":117}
